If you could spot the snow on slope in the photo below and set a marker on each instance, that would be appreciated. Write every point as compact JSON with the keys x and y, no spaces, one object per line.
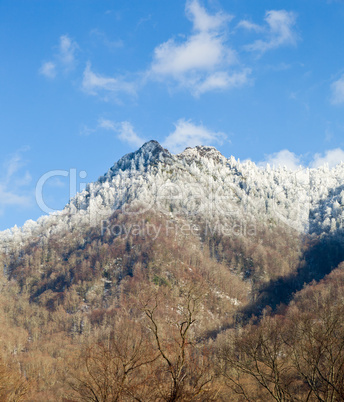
{"x":200,"y":183}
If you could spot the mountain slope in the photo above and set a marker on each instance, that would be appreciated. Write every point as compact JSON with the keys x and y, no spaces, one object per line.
{"x":188,"y":246}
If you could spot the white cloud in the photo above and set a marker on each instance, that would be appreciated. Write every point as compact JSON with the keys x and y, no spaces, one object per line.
{"x":222,"y":79}
{"x":93,"y":83}
{"x":124,"y":130}
{"x":200,"y":62}
{"x":331,"y":157}
{"x":8,"y":197}
{"x":13,"y":165}
{"x":282,"y":158}
{"x":127,"y":134}
{"x":202,"y":52}
{"x":337,"y":88}
{"x":48,"y":69}
{"x":280,"y":31}
{"x":67,"y":49}
{"x":101,"y":36}
{"x":201,"y":20}
{"x":108,"y":124}
{"x":250,"y":26}
{"x":64,"y":59}
{"x":292,"y":161}
{"x":11,"y":182}
{"x":187,"y":134}
{"x":86,"y":131}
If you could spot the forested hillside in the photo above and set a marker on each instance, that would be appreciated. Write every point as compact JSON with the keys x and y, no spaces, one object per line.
{"x":160,"y":304}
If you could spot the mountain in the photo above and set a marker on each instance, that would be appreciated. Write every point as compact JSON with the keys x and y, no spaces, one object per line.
{"x":201,"y":184}
{"x":188,"y":277}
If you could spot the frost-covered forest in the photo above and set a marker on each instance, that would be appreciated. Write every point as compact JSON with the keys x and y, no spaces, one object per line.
{"x":202,"y":183}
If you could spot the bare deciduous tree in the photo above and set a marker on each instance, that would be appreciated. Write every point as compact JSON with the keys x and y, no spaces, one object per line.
{"x":184,"y":372}
{"x":114,"y":369}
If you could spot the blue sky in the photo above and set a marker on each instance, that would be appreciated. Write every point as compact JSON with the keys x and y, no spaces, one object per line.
{"x":83,"y":82}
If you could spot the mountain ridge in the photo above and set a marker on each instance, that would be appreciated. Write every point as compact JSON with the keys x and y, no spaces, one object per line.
{"x":201,"y":182}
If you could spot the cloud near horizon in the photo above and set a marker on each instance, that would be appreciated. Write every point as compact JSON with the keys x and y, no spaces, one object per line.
{"x":290,"y":160}
{"x":12,"y":182}
{"x":188,"y":134}
{"x":282,"y":158}
{"x":330,"y":157}
{"x":124,"y":130}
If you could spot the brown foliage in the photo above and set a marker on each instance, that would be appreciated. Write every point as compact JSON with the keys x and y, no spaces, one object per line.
{"x":13,"y":387}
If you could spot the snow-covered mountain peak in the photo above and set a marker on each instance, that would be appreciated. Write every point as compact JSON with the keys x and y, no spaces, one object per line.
{"x":153,"y":148}
{"x":201,"y":151}
{"x":151,"y":152}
